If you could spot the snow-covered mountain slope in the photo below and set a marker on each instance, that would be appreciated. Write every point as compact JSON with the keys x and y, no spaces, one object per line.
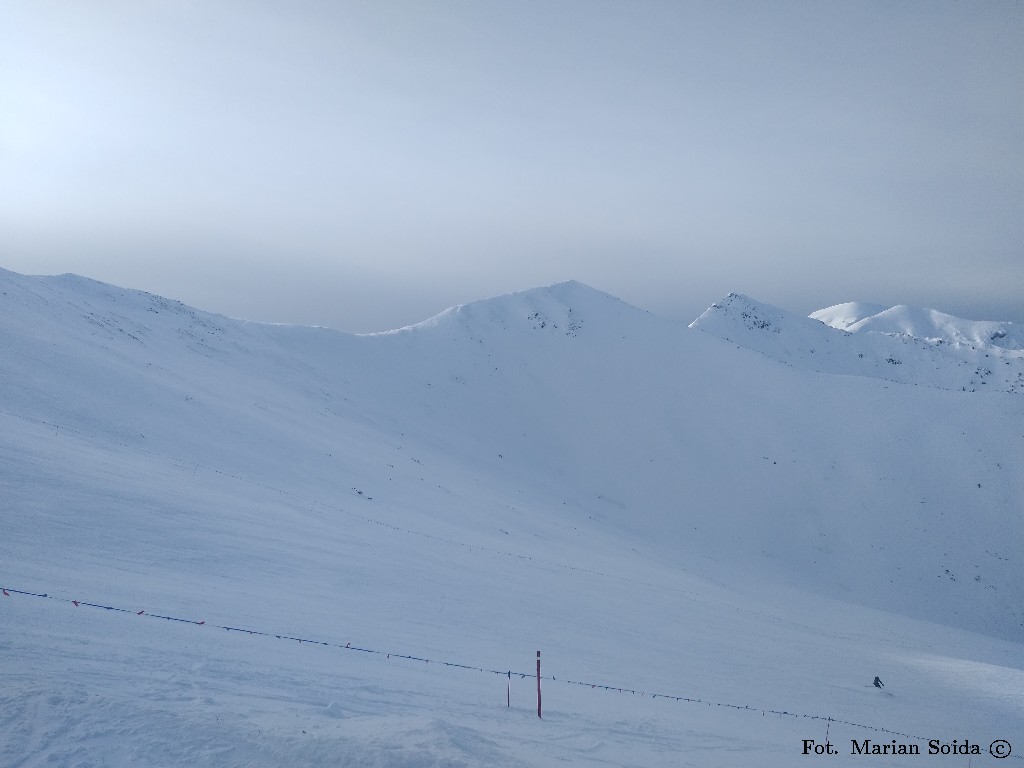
{"x":919,"y":347}
{"x":926,"y":324}
{"x":652,"y":507}
{"x":842,"y":316}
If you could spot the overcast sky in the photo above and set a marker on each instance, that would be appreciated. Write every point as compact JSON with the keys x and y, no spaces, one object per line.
{"x":365,"y":165}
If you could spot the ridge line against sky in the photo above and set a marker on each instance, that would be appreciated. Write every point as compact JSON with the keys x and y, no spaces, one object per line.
{"x":364,"y":167}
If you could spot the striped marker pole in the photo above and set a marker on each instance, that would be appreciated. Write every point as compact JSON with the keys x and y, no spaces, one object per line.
{"x":538,"y":684}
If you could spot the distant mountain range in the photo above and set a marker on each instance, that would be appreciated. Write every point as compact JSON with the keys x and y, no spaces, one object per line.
{"x":905,"y":344}
{"x":550,"y":464}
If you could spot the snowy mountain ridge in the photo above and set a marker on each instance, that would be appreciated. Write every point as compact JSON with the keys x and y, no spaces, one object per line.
{"x":902,"y":344}
{"x":922,"y":323}
{"x":543,"y":308}
{"x":552,"y":469}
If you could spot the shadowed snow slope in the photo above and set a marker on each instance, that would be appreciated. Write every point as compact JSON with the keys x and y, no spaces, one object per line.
{"x":654,"y":507}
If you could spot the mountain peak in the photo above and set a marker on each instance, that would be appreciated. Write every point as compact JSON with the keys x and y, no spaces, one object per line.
{"x":905,"y":344}
{"x":740,"y":311}
{"x":844,"y":315}
{"x":922,"y":323}
{"x":562,"y":308}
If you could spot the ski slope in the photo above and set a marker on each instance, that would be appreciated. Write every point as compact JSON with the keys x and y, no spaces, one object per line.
{"x":655,"y":509}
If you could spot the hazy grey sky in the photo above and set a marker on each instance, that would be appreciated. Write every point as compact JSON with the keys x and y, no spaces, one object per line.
{"x":364,"y":165}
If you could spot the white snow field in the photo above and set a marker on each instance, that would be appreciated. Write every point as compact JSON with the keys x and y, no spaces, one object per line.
{"x":738,"y":544}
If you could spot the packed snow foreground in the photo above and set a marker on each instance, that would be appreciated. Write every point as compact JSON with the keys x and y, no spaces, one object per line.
{"x":228,"y":543}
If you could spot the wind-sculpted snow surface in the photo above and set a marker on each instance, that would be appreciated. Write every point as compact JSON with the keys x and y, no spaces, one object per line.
{"x":652,"y":507}
{"x":913,"y":346}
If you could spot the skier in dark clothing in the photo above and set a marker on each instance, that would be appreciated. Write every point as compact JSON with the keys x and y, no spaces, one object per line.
{"x":878,"y":683}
